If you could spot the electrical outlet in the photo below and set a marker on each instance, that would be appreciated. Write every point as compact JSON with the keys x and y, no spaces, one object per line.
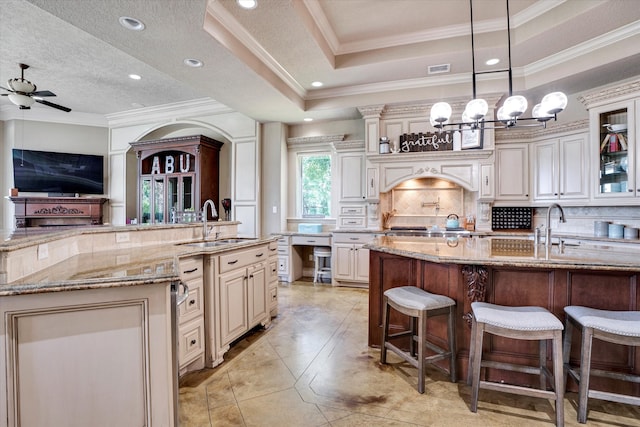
{"x":122,"y":237}
{"x":43,"y":251}
{"x":310,"y":257}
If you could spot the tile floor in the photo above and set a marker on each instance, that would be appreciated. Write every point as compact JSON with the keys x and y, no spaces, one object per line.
{"x":313,"y":368}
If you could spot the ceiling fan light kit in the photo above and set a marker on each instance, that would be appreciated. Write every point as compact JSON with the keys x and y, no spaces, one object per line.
{"x":511,"y":110}
{"x":23,"y":93}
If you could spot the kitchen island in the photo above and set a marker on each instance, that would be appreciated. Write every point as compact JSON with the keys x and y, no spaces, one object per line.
{"x":509,"y":271}
{"x":88,"y":331}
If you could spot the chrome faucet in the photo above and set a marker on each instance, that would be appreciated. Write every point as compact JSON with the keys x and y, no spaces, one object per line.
{"x":547,"y":238}
{"x":214,"y":213}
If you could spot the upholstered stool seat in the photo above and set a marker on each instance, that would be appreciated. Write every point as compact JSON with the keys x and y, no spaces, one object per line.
{"x":322,"y":262}
{"x":620,"y":327}
{"x":419,"y":305}
{"x":523,"y":323}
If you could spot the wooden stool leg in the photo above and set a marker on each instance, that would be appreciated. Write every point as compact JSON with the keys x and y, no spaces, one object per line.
{"x":452,"y":343}
{"x":472,"y":343}
{"x":558,"y":377}
{"x":385,"y":332}
{"x":422,"y":339}
{"x":476,"y":358}
{"x":543,"y":363}
{"x":585,"y":369}
{"x":566,"y":347}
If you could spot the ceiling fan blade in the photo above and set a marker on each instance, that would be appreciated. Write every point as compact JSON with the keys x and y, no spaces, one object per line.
{"x":51,"y":104}
{"x":4,"y":88}
{"x":42,"y":93}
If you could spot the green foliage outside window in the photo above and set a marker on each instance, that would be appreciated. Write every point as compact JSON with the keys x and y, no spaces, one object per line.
{"x":316,"y":185}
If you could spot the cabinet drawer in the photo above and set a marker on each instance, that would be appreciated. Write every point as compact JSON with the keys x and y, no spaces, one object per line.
{"x":273,"y":248}
{"x":273,"y":270}
{"x":242,"y":258}
{"x":354,"y":222}
{"x":190,"y":268}
{"x":194,"y":305}
{"x":360,"y":238}
{"x":273,"y":296}
{"x":190,"y":341}
{"x":311,"y":240}
{"x":283,"y":241}
{"x":352,"y":210}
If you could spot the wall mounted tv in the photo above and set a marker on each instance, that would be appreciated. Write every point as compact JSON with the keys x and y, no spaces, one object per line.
{"x":59,"y":174}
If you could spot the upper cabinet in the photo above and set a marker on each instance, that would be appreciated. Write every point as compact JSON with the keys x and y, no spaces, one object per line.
{"x":613,"y":142}
{"x":176,"y":175}
{"x":512,"y":172}
{"x":615,"y":160}
{"x":560,"y":168}
{"x":352,"y":187}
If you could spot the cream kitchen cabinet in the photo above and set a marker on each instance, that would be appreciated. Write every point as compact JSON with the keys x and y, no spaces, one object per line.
{"x":242,"y":294}
{"x":560,"y":168}
{"x":191,"y":313}
{"x":351,"y":168}
{"x":512,"y":172}
{"x":350,"y":260}
{"x":273,"y":278}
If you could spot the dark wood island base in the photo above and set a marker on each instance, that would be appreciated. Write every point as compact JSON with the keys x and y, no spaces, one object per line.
{"x":506,"y":283}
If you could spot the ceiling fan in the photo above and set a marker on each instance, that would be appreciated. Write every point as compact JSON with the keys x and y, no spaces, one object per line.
{"x":23,"y":93}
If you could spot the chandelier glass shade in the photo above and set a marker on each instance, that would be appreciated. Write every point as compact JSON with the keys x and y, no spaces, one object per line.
{"x":21,"y":100}
{"x":512,"y":108}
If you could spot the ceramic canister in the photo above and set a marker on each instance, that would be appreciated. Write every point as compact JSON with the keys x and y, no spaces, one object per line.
{"x":630,"y":233}
{"x":601,"y":228}
{"x":616,"y":231}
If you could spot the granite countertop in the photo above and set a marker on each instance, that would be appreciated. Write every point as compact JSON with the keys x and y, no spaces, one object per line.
{"x":116,"y":268}
{"x":510,"y":251}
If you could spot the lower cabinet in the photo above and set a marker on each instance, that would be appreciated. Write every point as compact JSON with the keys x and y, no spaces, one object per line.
{"x":242,"y":297}
{"x":191,"y":329}
{"x":272,"y":273}
{"x":350,"y":260}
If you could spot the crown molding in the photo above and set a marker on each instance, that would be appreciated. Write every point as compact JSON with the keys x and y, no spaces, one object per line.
{"x":12,"y":112}
{"x":609,"y":93}
{"x":185,"y":109}
{"x":528,"y":133}
{"x":309,"y":140}
{"x":353,"y":145}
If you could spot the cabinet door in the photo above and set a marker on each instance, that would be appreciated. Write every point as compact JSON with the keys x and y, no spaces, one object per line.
{"x":613,"y":150}
{"x":233,"y":305}
{"x":486,"y":182}
{"x":545,"y":170}
{"x":351,"y":177}
{"x":574,"y":173}
{"x":258,"y":295}
{"x":513,"y":172}
{"x":372,"y":183}
{"x":361,"y":257}
{"x":342,"y":261}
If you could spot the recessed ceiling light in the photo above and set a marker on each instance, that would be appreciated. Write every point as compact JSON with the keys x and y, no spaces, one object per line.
{"x":492,"y":61}
{"x":248,"y":4}
{"x":192,"y":62}
{"x":134,"y":77}
{"x":316,"y":84}
{"x":308,"y":119}
{"x":131,"y":23}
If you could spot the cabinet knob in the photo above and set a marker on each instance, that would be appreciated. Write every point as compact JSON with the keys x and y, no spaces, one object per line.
{"x":192,"y":302}
{"x":486,"y":180}
{"x":193,"y":342}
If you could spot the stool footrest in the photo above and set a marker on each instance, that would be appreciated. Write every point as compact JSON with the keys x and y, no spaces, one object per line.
{"x":510,"y":367}
{"x":614,"y":397}
{"x":403,"y":354}
{"x":575,"y":373}
{"x":516,"y":389}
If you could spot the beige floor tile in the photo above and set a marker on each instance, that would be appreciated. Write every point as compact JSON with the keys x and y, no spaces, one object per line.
{"x":284,"y":408}
{"x":263,"y":378}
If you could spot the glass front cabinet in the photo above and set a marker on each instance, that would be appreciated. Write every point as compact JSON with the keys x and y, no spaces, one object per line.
{"x":175,"y":177}
{"x":613,"y":138}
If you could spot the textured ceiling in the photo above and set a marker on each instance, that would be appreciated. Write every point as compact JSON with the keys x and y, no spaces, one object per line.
{"x":262,"y":62}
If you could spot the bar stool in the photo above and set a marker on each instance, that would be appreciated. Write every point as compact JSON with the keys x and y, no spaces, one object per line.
{"x":523,"y":323}
{"x":619,"y":327}
{"x":321,"y":261}
{"x":419,"y":305}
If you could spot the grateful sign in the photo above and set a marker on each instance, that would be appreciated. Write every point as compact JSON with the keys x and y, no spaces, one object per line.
{"x":437,"y":141}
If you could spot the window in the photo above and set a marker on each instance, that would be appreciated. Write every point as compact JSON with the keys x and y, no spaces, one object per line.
{"x":315,"y":184}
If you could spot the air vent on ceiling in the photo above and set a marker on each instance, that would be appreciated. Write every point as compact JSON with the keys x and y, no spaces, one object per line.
{"x":437,"y":69}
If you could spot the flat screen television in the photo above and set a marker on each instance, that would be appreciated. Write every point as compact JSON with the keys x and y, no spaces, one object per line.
{"x":58,"y":173}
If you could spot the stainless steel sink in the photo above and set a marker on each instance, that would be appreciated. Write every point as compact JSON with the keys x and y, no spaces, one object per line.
{"x":222,"y":242}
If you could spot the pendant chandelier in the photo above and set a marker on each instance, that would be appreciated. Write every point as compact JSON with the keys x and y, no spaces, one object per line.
{"x":510,"y":113}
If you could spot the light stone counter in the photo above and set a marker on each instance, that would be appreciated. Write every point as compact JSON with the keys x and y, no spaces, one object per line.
{"x":511,"y":251}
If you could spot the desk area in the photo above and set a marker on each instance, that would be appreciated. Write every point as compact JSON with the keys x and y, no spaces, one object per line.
{"x":294,"y":250}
